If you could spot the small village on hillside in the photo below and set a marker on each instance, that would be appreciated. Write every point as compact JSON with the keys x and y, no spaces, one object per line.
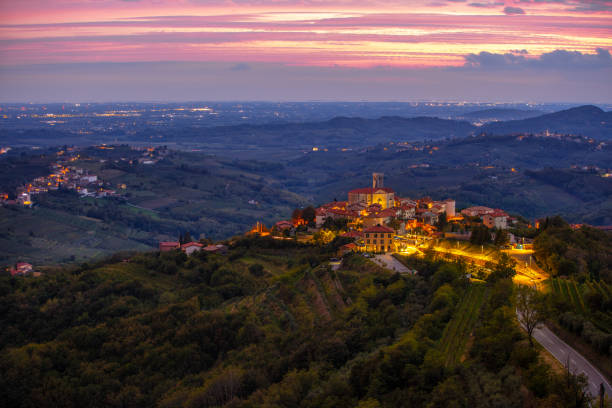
{"x":378,"y":220}
{"x":64,"y":174}
{"x":372,"y":220}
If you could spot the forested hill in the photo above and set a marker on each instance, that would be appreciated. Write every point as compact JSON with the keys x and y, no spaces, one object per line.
{"x":585,"y":120}
{"x":336,"y":132}
{"x":267,"y":325}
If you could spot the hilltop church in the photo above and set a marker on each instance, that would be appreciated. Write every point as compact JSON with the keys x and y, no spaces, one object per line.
{"x":377,"y":194}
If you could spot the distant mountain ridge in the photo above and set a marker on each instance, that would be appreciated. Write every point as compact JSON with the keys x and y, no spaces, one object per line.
{"x":586,"y":120}
{"x":338,"y":132}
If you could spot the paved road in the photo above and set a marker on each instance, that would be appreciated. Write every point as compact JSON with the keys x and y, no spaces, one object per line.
{"x":555,"y":346}
{"x":389,"y":262}
{"x":560,"y":350}
{"x":525,"y":275}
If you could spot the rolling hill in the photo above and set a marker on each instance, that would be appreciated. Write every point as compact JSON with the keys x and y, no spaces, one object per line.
{"x":584,"y":120}
{"x":340,"y":132}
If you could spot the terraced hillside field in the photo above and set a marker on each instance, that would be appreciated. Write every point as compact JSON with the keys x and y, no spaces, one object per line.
{"x":458,"y":330}
{"x":574,"y":293}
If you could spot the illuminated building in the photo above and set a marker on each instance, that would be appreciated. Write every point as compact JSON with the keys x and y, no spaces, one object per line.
{"x":377,"y":194}
{"x":378,"y":239}
{"x":259,"y":229}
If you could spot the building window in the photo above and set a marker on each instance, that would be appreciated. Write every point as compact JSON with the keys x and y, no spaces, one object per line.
{"x":367,"y":235}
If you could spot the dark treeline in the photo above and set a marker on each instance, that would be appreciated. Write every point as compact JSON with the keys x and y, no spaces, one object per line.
{"x":269,"y":324}
{"x":581,"y":258}
{"x":583,"y":253}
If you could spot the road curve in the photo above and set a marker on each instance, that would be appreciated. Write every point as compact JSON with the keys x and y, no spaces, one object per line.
{"x":561,"y":351}
{"x":578,"y":364}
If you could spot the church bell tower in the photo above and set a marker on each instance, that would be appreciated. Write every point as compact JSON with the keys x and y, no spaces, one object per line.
{"x":377,"y":180}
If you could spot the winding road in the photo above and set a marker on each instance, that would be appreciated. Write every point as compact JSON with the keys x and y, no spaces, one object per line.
{"x":531,"y":275}
{"x":578,"y":364}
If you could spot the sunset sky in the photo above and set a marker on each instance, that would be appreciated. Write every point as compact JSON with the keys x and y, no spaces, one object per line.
{"x":104,"y":50}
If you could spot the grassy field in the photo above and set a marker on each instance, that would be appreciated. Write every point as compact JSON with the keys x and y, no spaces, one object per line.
{"x":47,"y":236}
{"x":573,"y":293}
{"x":458,"y":330}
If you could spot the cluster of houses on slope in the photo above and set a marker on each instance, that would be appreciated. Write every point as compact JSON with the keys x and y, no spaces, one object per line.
{"x":492,"y":218}
{"x":377,"y":218}
{"x":191,"y":247}
{"x":378,"y":205}
{"x":23,"y":269}
{"x":63,"y":175}
{"x":67,"y":176}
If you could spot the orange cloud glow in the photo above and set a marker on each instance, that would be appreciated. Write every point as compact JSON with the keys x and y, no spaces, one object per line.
{"x":308,"y":33}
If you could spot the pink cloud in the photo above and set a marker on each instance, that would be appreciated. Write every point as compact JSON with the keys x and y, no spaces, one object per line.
{"x":350,"y":33}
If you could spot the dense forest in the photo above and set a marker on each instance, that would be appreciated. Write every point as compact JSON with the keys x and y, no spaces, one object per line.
{"x":269,"y":324}
{"x":583,"y":253}
{"x":580,"y":263}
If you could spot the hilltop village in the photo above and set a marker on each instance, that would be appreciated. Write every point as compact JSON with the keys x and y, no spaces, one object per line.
{"x":376,"y":219}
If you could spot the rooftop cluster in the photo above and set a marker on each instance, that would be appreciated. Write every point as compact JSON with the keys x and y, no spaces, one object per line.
{"x":377,"y":219}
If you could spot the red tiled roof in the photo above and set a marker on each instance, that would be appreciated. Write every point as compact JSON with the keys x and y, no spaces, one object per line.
{"x":190,"y":244}
{"x":168,"y":245}
{"x":378,"y":228}
{"x":389,"y":212}
{"x":284,"y":224}
{"x":352,"y":234}
{"x":498,"y":213}
{"x":478,"y":209}
{"x":342,"y":212}
{"x":370,"y":190}
{"x":349,"y":246}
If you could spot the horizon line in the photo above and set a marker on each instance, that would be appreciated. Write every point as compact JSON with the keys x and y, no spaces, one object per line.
{"x":321,"y":101}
